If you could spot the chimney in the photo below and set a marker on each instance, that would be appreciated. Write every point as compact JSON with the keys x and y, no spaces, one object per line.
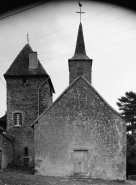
{"x":33,"y":61}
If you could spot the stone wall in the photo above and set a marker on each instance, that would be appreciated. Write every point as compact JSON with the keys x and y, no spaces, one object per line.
{"x":81,"y":121}
{"x":6,"y":151}
{"x":87,"y":69}
{"x":23,"y":97}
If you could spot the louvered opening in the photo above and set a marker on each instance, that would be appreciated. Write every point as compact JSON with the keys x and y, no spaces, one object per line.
{"x":79,"y":71}
{"x":17,"y":119}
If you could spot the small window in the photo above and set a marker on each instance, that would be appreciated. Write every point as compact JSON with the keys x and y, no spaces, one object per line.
{"x":25,"y":81}
{"x":79,"y":71}
{"x":26,"y":151}
{"x":17,"y":119}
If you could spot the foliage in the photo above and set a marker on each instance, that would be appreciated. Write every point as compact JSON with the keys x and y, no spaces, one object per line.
{"x":131,"y":154}
{"x":127,"y":106}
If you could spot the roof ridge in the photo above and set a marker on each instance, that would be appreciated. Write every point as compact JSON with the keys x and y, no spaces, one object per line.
{"x":67,"y":89}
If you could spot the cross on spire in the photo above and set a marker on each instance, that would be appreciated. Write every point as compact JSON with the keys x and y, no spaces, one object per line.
{"x":80,"y":5}
{"x":28,"y":38}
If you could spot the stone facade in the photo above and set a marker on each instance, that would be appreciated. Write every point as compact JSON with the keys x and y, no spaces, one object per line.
{"x":6,"y":151}
{"x":81,"y":133}
{"x":29,"y":93}
{"x":74,"y":65}
{"x":24,"y":98}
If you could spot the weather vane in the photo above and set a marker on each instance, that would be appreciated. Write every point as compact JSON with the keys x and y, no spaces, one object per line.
{"x":28,"y":38}
{"x":80,"y":5}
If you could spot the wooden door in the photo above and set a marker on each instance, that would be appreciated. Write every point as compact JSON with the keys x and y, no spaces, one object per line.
{"x":80,"y":161}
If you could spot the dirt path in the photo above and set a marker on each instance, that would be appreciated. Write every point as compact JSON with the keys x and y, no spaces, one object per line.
{"x":20,"y":178}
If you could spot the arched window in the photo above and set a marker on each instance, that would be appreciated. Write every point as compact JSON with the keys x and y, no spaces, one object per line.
{"x":26,"y":151}
{"x":17,"y":119}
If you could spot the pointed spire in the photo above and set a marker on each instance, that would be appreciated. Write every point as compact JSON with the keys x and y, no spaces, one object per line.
{"x":80,"y":52}
{"x":80,"y":45}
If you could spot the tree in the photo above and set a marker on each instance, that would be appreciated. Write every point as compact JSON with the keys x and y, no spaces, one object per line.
{"x":131,"y":155}
{"x":127,"y":106}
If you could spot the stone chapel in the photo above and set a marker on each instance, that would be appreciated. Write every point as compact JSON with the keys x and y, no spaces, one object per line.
{"x":80,"y":133}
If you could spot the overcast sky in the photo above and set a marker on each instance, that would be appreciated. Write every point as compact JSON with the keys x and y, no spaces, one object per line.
{"x":110,"y":40}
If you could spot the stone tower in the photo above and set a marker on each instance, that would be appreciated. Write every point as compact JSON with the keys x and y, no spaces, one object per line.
{"x":29,"y":93}
{"x":80,"y":64}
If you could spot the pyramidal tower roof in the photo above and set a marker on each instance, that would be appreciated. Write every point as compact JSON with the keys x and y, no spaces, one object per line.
{"x":80,"y":52}
{"x":20,"y":66}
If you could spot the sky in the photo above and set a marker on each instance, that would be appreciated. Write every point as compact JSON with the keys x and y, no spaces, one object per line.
{"x":110,"y":40}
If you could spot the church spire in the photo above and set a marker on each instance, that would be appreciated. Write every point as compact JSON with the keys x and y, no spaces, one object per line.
{"x":80,"y":64}
{"x":80,"y":45}
{"x":80,"y":52}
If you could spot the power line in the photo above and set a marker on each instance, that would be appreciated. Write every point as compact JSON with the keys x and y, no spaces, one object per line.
{"x":86,"y":29}
{"x":89,"y":40}
{"x":23,"y":10}
{"x":92,"y":49}
{"x":111,"y":21}
{"x":74,"y":23}
{"x":112,"y":44}
{"x":60,"y":29}
{"x":69,"y":26}
{"x":87,"y":50}
{"x":74,"y":44}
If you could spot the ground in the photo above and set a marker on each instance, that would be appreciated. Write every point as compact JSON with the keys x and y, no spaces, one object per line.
{"x":16,"y":177}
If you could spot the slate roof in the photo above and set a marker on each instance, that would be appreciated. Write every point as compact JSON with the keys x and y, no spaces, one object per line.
{"x":20,"y":66}
{"x":80,"y":52}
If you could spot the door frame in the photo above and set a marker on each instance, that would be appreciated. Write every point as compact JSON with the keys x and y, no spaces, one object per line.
{"x":80,"y":150}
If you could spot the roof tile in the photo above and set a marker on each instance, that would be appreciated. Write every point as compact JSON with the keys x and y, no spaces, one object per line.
{"x":20,"y":66}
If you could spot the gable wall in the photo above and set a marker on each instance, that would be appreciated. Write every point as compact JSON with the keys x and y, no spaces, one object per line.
{"x":80,"y":120}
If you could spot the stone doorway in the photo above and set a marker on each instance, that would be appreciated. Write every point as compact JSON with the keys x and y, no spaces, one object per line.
{"x":80,"y":161}
{"x":26,"y":162}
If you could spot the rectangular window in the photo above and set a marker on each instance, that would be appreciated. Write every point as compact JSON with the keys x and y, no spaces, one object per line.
{"x":25,"y":81}
{"x":79,"y":71}
{"x":17,"y":117}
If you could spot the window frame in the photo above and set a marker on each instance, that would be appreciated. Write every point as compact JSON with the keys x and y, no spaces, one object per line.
{"x":13,"y":118}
